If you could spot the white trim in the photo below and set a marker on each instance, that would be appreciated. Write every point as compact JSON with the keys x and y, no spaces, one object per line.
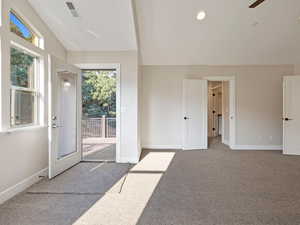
{"x":225,"y":142}
{"x":98,"y":66}
{"x":232,"y":104}
{"x":22,"y":129}
{"x":256,"y":147}
{"x":284,"y":113}
{"x":24,"y":49}
{"x":219,"y":78}
{"x":232,"y":112}
{"x":131,"y":160}
{"x":21,"y":186}
{"x":190,"y":148}
{"x":223,"y":114}
{"x":117,"y":67}
{"x":162,"y":147}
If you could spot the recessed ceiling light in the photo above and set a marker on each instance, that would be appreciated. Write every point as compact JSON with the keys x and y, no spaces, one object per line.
{"x":201,"y":15}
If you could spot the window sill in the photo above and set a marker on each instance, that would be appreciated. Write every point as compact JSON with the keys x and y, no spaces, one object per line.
{"x":21,"y":129}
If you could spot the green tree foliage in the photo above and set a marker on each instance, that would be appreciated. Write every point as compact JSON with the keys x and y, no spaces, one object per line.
{"x":99,"y":93}
{"x":21,"y":64}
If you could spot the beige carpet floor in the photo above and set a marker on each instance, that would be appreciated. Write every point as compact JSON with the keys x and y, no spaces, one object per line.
{"x":214,"y":187}
{"x":225,"y":187}
{"x":84,"y":178}
{"x":100,"y":153}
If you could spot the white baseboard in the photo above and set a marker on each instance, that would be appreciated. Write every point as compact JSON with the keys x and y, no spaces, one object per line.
{"x":226,"y":142}
{"x":257,"y":147}
{"x":196,"y":148}
{"x":21,"y":186}
{"x":132,"y":160}
{"x":168,"y":147}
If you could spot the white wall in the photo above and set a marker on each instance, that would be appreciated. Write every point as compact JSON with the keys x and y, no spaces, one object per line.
{"x":130,"y":147}
{"x":25,"y":152}
{"x":297,"y":69}
{"x":258,"y":97}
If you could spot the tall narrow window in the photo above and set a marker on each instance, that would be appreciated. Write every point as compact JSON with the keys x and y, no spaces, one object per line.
{"x":20,"y":28}
{"x":24,"y":94}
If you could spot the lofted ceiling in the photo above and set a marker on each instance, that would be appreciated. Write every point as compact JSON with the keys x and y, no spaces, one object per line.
{"x":102,"y":25}
{"x":170,"y":34}
{"x":231,"y":33}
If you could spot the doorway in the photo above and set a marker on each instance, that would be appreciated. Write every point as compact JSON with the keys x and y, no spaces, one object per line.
{"x":221,"y":110}
{"x":215,"y":103}
{"x":99,"y":115}
{"x":218,"y":111}
{"x":207,"y":112}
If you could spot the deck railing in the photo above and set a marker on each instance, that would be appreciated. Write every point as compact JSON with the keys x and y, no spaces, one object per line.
{"x":99,"y":127}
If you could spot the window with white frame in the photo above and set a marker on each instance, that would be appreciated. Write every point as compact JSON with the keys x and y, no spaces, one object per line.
{"x":19,"y":27}
{"x":24,"y":87}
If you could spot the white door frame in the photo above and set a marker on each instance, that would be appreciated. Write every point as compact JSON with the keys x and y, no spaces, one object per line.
{"x":232,"y":107}
{"x":117,"y":67}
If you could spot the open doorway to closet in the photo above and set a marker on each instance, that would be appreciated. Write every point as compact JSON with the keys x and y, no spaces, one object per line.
{"x":218,"y":111}
{"x":99,"y":114}
{"x":221,"y":111}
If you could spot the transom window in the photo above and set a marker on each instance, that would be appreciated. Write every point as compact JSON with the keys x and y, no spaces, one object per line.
{"x":23,"y":30}
{"x":24,"y":88}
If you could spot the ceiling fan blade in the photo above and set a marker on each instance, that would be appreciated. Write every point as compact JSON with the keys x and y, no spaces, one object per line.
{"x":257,"y":3}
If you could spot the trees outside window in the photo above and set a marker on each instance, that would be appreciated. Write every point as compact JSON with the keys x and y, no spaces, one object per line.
{"x":23,"y":101}
{"x":99,"y":93}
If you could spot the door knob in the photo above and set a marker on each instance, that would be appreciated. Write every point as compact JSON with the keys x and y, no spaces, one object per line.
{"x":186,"y":118}
{"x":55,"y":126}
{"x":287,"y":119}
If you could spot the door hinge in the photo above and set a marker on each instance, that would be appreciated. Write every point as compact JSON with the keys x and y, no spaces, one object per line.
{"x":214,"y":129}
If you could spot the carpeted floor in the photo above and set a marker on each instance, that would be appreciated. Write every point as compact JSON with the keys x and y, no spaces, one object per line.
{"x":225,"y":187}
{"x":45,"y":209}
{"x":214,"y":187}
{"x":84,"y":178}
{"x":100,"y":152}
{"x":62,"y":200}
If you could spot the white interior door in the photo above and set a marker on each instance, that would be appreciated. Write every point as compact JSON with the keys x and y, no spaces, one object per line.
{"x":195,"y":114}
{"x":291,"y":115}
{"x":64,"y":121}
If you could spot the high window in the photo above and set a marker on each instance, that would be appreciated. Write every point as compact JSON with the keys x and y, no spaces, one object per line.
{"x":23,"y":30}
{"x":24,"y":88}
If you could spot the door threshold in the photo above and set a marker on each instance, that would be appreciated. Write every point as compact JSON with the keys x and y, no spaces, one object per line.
{"x":98,"y":161}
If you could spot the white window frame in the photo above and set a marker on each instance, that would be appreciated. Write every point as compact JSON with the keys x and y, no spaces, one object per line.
{"x":39,"y":43}
{"x":35,"y":90}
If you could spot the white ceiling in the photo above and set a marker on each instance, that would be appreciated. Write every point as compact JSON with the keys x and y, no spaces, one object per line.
{"x":231,"y":33}
{"x":103,"y":25}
